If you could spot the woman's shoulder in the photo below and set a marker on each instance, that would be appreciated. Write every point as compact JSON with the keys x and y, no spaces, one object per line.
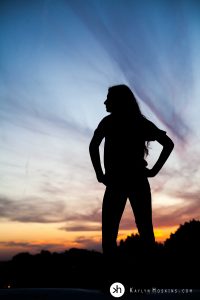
{"x":104,"y":123}
{"x":150,"y":130}
{"x":106,"y":120}
{"x":146,"y":122}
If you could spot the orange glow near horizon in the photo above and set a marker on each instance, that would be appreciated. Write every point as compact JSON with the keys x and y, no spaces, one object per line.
{"x":37,"y":237}
{"x":161,"y":233}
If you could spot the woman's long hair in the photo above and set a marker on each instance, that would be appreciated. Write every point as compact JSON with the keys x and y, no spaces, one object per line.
{"x":125,"y":101}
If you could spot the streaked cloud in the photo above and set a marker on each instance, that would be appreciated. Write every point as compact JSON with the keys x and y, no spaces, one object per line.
{"x":144,"y":52}
{"x":82,"y":227}
{"x":89,"y":243}
{"x":10,"y":248}
{"x":32,"y":210}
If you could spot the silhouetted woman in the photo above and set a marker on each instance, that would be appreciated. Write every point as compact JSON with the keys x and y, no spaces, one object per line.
{"x":127,"y":133}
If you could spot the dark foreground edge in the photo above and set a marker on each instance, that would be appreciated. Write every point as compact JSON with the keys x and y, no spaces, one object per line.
{"x":83,"y":294}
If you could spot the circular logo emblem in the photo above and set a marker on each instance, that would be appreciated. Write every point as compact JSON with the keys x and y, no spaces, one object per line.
{"x":117,"y":289}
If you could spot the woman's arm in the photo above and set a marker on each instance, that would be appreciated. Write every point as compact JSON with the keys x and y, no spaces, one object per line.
{"x":168,"y":146}
{"x":95,"y":155}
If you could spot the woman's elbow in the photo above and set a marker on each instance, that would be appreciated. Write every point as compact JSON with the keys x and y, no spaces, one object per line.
{"x":166,"y":142}
{"x":169,"y":144}
{"x":92,"y":146}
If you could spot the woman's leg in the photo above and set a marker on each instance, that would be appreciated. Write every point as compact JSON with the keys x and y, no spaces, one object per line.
{"x":140,"y":199}
{"x":113,"y":206}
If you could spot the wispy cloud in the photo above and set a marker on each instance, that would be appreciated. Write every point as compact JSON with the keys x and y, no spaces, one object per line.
{"x":10,"y":248}
{"x":91,"y":215}
{"x":89,"y":243}
{"x":40,"y":210}
{"x":141,"y":53}
{"x":32,"y":210}
{"x":177,"y":215}
{"x":81,"y":227}
{"x":32,"y":245}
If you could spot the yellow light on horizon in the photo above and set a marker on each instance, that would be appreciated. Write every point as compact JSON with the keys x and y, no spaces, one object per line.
{"x":161,"y":233}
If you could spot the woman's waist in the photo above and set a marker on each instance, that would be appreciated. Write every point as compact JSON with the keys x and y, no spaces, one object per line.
{"x":126,"y":168}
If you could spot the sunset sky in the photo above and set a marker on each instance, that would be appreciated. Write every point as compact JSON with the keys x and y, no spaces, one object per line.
{"x":57,"y":60}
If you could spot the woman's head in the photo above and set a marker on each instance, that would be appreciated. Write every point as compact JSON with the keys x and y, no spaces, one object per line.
{"x":122,"y":102}
{"x":121,"y":99}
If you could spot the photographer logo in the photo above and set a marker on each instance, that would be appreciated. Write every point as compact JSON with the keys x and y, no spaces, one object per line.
{"x":117,"y":289}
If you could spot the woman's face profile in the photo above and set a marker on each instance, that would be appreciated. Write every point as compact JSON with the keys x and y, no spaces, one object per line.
{"x":110,"y":102}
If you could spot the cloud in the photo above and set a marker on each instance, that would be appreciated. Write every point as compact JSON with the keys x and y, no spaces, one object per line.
{"x":89,"y":243}
{"x":139,"y":48}
{"x":18,"y":244}
{"x":31,"y":245}
{"x":45,"y":123}
{"x":81,"y":227}
{"x":11,"y":248}
{"x":188,"y":209}
{"x":32,"y":210}
{"x":39,"y":210}
{"x":93,"y":215}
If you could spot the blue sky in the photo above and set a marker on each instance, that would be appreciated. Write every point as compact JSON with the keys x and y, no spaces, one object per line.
{"x":57,"y":60}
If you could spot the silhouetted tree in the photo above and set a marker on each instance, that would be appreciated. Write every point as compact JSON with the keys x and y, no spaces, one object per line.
{"x":186,"y":239}
{"x":175,"y":260}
